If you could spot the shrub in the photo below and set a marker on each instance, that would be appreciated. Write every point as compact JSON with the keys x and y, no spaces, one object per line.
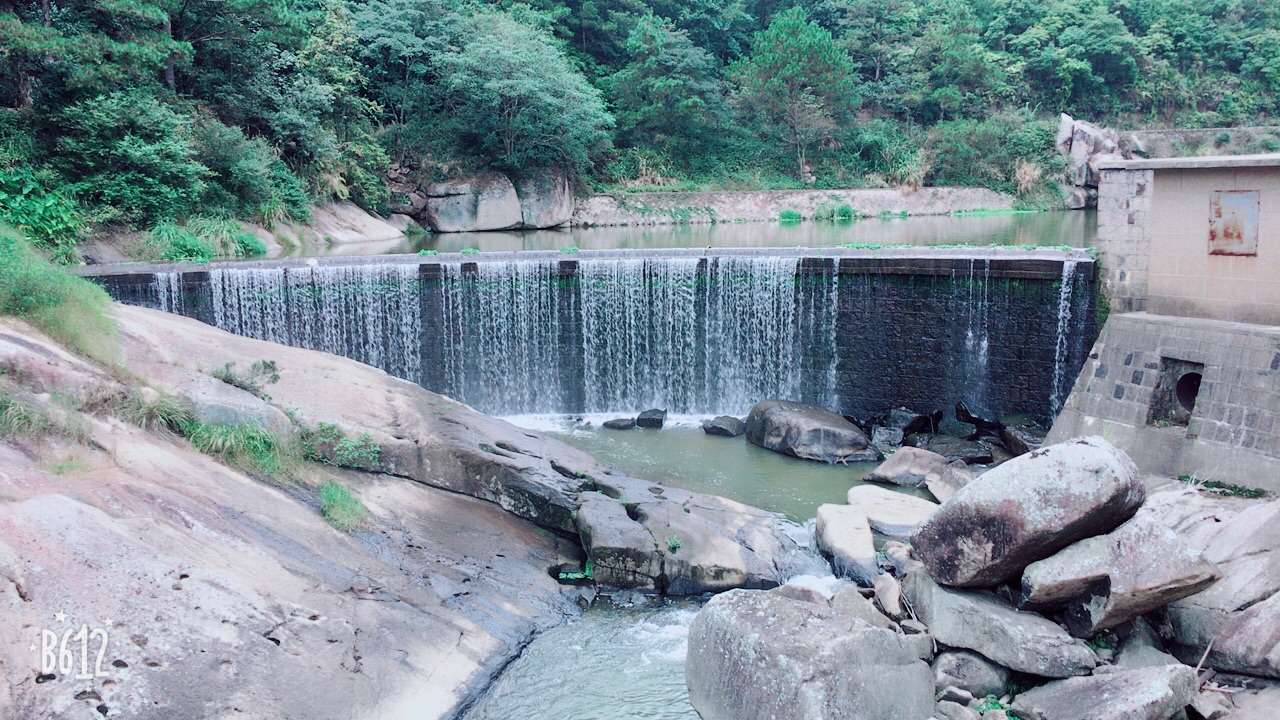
{"x":165,"y":411}
{"x":51,"y":220}
{"x":17,"y":143}
{"x":176,"y":243}
{"x":986,"y":153}
{"x":246,"y":175}
{"x":261,"y":372}
{"x":328,"y":445}
{"x":227,"y":237}
{"x":342,"y":509}
{"x":789,"y":216}
{"x":249,"y":447}
{"x":130,"y":152}
{"x":17,"y":419}
{"x":69,"y":309}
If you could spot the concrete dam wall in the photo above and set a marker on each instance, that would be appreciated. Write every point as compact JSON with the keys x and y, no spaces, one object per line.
{"x":693,"y":331}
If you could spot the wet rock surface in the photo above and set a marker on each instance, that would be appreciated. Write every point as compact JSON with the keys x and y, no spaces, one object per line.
{"x":724,"y":426}
{"x":808,"y":432}
{"x":760,"y":655}
{"x":1157,"y":693}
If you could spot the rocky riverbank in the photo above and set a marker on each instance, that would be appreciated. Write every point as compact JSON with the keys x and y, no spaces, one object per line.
{"x":229,"y":594}
{"x":1057,"y":586}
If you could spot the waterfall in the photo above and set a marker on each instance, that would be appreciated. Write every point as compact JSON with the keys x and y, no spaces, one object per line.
{"x":167,"y":288}
{"x":1056,"y":399}
{"x":370,"y":313}
{"x":975,"y":302}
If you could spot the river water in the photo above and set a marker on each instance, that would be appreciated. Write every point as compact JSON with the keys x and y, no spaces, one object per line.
{"x":1076,"y":229}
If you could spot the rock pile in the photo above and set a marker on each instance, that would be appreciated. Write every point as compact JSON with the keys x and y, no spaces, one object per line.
{"x":1032,"y":590}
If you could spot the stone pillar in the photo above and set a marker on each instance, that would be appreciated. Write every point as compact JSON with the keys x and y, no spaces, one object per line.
{"x":1124,"y":236}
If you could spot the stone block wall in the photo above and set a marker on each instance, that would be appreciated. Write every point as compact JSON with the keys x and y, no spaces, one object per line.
{"x":1124,"y":236}
{"x":1232,"y":432}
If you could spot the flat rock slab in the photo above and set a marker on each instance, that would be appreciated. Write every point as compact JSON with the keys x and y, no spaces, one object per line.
{"x":808,"y":432}
{"x":943,"y":481}
{"x":1156,"y":693}
{"x":844,"y":535}
{"x":891,"y":513}
{"x":620,"y":423}
{"x":907,"y":467}
{"x":984,"y":623}
{"x":724,"y":426}
{"x":1109,"y":579}
{"x":1028,"y":509}
{"x":765,"y":656}
{"x":969,"y":671}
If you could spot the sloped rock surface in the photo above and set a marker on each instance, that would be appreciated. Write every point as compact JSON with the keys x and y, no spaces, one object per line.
{"x":843,"y":534}
{"x":487,"y":201}
{"x":763,"y":656}
{"x":889,"y":512}
{"x":546,"y":198}
{"x":969,"y":671}
{"x":1028,"y":509}
{"x":1109,"y":579}
{"x":984,"y":623}
{"x":1156,"y":693}
{"x":907,"y":467}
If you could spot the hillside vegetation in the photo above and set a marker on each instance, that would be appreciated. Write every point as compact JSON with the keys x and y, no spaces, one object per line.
{"x":146,"y":112}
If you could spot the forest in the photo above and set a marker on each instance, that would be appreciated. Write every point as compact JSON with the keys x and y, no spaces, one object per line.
{"x":174,"y":116}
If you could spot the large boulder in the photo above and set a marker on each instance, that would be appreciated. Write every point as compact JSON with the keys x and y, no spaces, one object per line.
{"x":1235,"y":619}
{"x":487,"y":201}
{"x":809,"y":432}
{"x":766,"y":656}
{"x":724,"y":426}
{"x":546,"y":198}
{"x":891,"y":513}
{"x":1109,"y":579}
{"x":910,"y":421}
{"x":844,"y":535}
{"x":982,"y":622}
{"x":907,"y":467}
{"x":1155,"y":693}
{"x":970,"y":672}
{"x":652,"y":419}
{"x":1028,"y":509}
{"x":681,"y":543}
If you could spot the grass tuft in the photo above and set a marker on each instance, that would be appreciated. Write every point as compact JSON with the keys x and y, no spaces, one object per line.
{"x":342,"y":509}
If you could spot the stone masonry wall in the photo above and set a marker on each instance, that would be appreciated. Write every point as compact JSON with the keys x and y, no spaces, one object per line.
{"x":1233,"y":431}
{"x":1124,"y":236}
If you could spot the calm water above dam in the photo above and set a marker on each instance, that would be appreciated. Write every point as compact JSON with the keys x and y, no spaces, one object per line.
{"x":1076,"y":229}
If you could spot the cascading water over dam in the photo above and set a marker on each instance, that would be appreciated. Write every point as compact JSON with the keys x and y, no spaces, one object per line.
{"x":616,"y":332}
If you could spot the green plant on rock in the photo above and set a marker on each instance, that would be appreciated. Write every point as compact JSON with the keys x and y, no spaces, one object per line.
{"x":163,"y":411}
{"x":18,"y":419}
{"x":674,"y":543}
{"x":470,"y":251}
{"x":51,"y":220}
{"x":260,"y":373}
{"x":342,"y":509}
{"x":988,"y":704}
{"x":359,"y":452}
{"x":252,"y":448}
{"x":789,"y":216}
{"x":1222,"y":488}
{"x":176,"y":243}
{"x":327,"y":444}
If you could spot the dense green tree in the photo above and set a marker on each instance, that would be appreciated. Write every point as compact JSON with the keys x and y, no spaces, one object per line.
{"x":668,"y":95}
{"x":795,"y":84}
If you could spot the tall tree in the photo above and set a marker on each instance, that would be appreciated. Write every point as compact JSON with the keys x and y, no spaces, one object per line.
{"x":795,"y":84}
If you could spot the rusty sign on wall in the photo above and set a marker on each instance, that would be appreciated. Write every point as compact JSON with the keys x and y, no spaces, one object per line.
{"x":1233,"y":222}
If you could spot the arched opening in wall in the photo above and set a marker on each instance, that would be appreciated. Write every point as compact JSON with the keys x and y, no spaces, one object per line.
{"x":1173,"y":399}
{"x":1187,"y":390}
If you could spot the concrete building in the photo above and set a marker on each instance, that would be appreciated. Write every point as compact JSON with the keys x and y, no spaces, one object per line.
{"x":1185,"y":375}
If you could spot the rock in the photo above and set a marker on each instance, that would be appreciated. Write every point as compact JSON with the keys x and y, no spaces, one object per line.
{"x":955,"y":695}
{"x":957,"y":429}
{"x":681,"y":543}
{"x":891,"y":513}
{"x":946,"y":480}
{"x":652,"y":419}
{"x":724,"y":426}
{"x":907,"y":467}
{"x":546,"y":198}
{"x":888,"y":595}
{"x":814,"y":588}
{"x":886,"y":438}
{"x":809,"y":432}
{"x":1109,"y":579}
{"x":344,"y":222}
{"x":951,"y":448}
{"x":487,"y":201}
{"x":1028,"y":509}
{"x":1023,"y":439}
{"x":844,"y":535}
{"x":986,"y":624}
{"x":1073,"y":198}
{"x":898,"y":554}
{"x":1138,"y":694}
{"x":1140,"y":646}
{"x":954,"y":711}
{"x":215,"y":402}
{"x":1211,"y":705}
{"x":1256,"y":705}
{"x":969,"y":671}
{"x":910,"y":422}
{"x":1240,"y":612}
{"x":851,"y":602}
{"x":620,"y":423}
{"x":985,"y":425}
{"x":762,"y":656}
